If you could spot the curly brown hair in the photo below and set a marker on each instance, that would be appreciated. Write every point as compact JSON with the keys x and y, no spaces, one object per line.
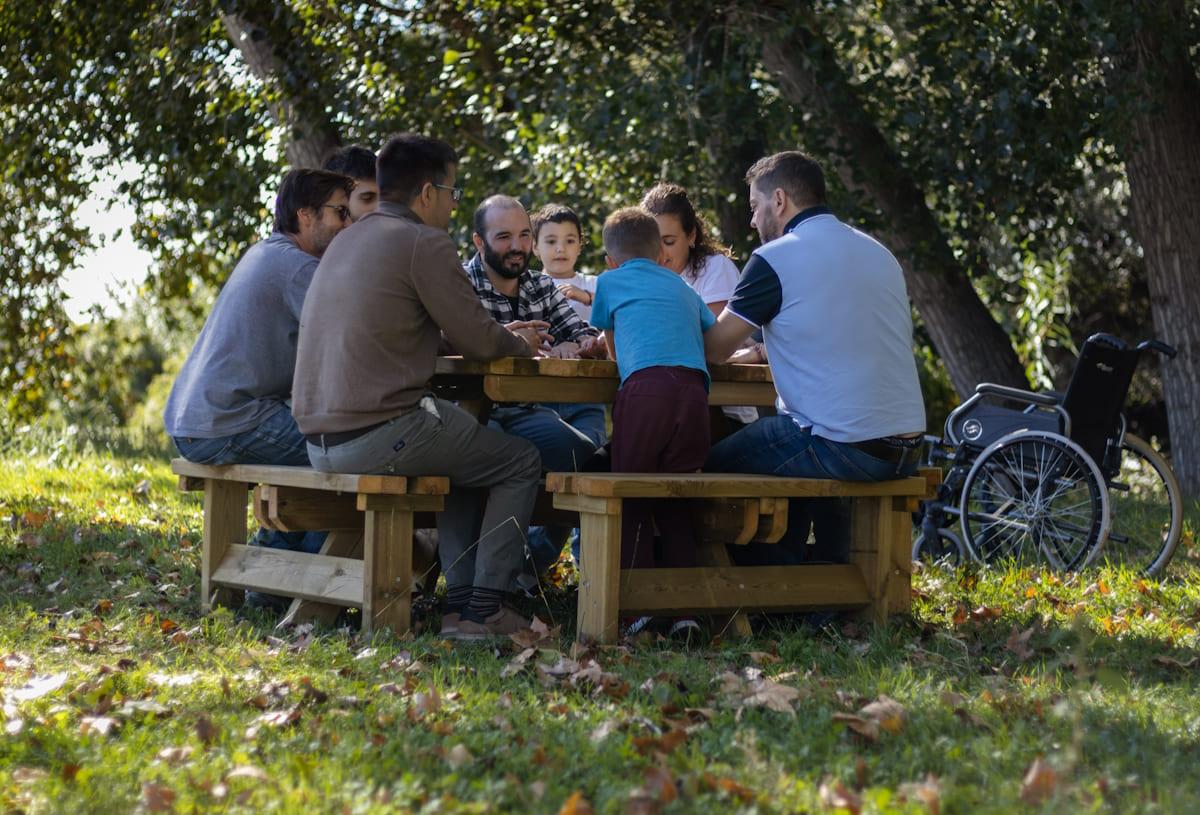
{"x":665,"y":198}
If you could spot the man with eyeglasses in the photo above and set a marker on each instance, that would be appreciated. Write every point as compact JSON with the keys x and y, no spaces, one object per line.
{"x":230,"y":402}
{"x":383,"y":297}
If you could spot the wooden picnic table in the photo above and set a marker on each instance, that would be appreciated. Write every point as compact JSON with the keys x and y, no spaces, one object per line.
{"x":520,"y":379}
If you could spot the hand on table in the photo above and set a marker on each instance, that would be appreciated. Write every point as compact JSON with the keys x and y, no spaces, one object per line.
{"x":564,"y":350}
{"x":533,"y":332}
{"x":592,"y":348}
{"x":753,"y":355}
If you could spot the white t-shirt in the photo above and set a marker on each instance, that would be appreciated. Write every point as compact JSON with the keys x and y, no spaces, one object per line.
{"x":715,"y":282}
{"x":587,"y":282}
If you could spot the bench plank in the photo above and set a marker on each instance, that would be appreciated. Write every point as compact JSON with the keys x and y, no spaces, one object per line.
{"x":280,"y":571}
{"x":756,"y":588}
{"x":719,"y":485}
{"x":307,"y":478}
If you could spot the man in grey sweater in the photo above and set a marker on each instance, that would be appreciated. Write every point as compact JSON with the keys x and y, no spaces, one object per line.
{"x":384,"y":293}
{"x":229,"y":404}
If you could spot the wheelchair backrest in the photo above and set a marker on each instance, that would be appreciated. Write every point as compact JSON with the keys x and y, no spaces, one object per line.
{"x":1096,"y":394}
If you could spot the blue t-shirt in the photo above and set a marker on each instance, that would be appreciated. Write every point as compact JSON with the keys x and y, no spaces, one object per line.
{"x":657,"y":317}
{"x":833,"y":309}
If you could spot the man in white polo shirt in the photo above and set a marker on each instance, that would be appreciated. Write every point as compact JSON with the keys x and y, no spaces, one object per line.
{"x":837,"y":328}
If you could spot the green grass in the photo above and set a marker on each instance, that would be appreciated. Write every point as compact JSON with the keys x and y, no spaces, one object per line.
{"x":161,"y":709}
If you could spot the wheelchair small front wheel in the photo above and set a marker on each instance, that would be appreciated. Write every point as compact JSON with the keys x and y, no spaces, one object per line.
{"x":945,"y":550}
{"x":1147,"y":510}
{"x":1035,"y":497}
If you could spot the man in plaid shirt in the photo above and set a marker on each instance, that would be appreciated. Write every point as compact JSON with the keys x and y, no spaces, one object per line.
{"x":565,"y":435}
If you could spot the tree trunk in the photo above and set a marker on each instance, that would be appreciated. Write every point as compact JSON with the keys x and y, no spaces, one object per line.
{"x":1163,"y":164}
{"x":311,"y":137}
{"x":971,"y":343}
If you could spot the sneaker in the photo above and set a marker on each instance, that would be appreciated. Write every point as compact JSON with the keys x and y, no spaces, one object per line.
{"x":501,"y":624}
{"x":632,"y":626}
{"x":449,"y":624}
{"x":685,"y":630}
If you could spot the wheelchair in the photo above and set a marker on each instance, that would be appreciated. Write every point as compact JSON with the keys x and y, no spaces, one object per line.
{"x":1053,"y":479}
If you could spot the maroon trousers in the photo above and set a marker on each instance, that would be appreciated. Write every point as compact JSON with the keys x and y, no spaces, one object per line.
{"x":660,"y":425}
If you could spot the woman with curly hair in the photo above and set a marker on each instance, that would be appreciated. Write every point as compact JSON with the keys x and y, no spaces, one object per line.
{"x":689,"y":249}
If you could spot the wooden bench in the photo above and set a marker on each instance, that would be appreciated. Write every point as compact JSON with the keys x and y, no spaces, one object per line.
{"x":367,"y":560}
{"x":876,"y":581}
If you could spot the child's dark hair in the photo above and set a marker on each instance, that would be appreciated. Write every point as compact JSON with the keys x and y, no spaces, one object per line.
{"x":554,"y":214}
{"x":671,"y":199}
{"x":355,"y":161}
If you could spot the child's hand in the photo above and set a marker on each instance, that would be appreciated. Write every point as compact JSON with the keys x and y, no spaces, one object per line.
{"x":564,"y":350}
{"x":575,"y":293}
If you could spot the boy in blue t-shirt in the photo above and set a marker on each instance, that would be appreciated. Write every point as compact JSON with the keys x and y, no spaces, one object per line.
{"x":653,"y":324}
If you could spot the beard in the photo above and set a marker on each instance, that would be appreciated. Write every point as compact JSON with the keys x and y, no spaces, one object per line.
{"x":500,"y":264}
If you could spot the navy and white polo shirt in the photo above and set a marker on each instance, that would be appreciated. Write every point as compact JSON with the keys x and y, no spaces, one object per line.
{"x":833,"y":309}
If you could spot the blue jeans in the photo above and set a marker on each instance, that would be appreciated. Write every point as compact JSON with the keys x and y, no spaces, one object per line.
{"x":276,"y":440}
{"x":776,"y":445}
{"x":566,"y":435}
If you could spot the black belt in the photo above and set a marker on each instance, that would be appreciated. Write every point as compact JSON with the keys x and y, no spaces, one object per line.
{"x":334,"y":439}
{"x":888,"y":448}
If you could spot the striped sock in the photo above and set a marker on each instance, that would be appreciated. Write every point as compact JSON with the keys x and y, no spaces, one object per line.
{"x":457,"y":599}
{"x":484,"y":603}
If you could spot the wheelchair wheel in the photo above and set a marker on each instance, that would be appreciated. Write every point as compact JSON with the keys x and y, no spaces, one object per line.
{"x":946,"y":550}
{"x":1035,"y":497}
{"x":1147,"y":510}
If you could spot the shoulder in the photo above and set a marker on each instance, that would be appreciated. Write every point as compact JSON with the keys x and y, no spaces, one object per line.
{"x":719,"y":264}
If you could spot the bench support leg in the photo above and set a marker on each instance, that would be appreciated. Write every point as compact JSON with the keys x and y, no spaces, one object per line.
{"x":224,"y":524}
{"x":871,"y":542}
{"x":900,"y":584}
{"x":600,"y":539}
{"x":737,"y":623}
{"x":387,"y":570}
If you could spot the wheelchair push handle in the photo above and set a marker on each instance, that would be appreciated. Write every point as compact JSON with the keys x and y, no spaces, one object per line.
{"x":1157,"y":345}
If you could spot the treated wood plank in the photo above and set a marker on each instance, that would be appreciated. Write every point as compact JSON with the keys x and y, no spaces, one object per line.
{"x":293,"y":509}
{"x":308,"y":478}
{"x":549,"y":389}
{"x":720,"y":485}
{"x":387,"y":571}
{"x":871,"y":535}
{"x":586,"y":503}
{"x":776,"y":521}
{"x":339,"y":543}
{"x":400,"y":503}
{"x":600,"y":555}
{"x":224,"y":527}
{"x":729,"y":520}
{"x":776,"y":588}
{"x":279,"y":571}
{"x":899,"y":586}
{"x":736,"y":623}
{"x":755,"y":394}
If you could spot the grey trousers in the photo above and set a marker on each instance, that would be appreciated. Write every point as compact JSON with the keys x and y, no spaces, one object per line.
{"x":493,"y":484}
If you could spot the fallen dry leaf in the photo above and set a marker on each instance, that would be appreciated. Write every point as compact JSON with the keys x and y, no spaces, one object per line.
{"x":1039,"y":783}
{"x":927,"y":792}
{"x":835,"y":795}
{"x":889,"y":713}
{"x":206,"y":731}
{"x":459,"y":757}
{"x":247,"y":771}
{"x":1018,"y":642}
{"x":280,"y":718}
{"x":157,"y":798}
{"x":1171,"y":662}
{"x":38,"y":687}
{"x":175,"y":755}
{"x":660,"y":784}
{"x":101,"y":725}
{"x":576,"y":804}
{"x":537,"y":634}
{"x":867,"y":728}
{"x":424,"y":704}
{"x":986,"y":613}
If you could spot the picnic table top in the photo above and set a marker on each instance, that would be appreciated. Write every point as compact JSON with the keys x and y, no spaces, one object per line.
{"x":581,"y":368}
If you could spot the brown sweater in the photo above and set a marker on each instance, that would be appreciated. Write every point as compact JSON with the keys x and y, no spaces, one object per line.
{"x":370,"y":325}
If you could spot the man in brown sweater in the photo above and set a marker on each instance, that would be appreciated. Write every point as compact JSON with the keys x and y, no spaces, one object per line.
{"x":369,"y":333}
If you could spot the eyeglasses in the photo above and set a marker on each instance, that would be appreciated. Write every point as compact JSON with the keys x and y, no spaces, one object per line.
{"x":342,"y":210}
{"x":455,"y":192}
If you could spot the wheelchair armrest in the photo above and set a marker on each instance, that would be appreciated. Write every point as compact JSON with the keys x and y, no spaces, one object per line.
{"x":1018,"y":395}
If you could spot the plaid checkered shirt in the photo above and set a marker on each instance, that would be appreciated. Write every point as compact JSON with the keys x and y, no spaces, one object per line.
{"x":537,"y":299}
